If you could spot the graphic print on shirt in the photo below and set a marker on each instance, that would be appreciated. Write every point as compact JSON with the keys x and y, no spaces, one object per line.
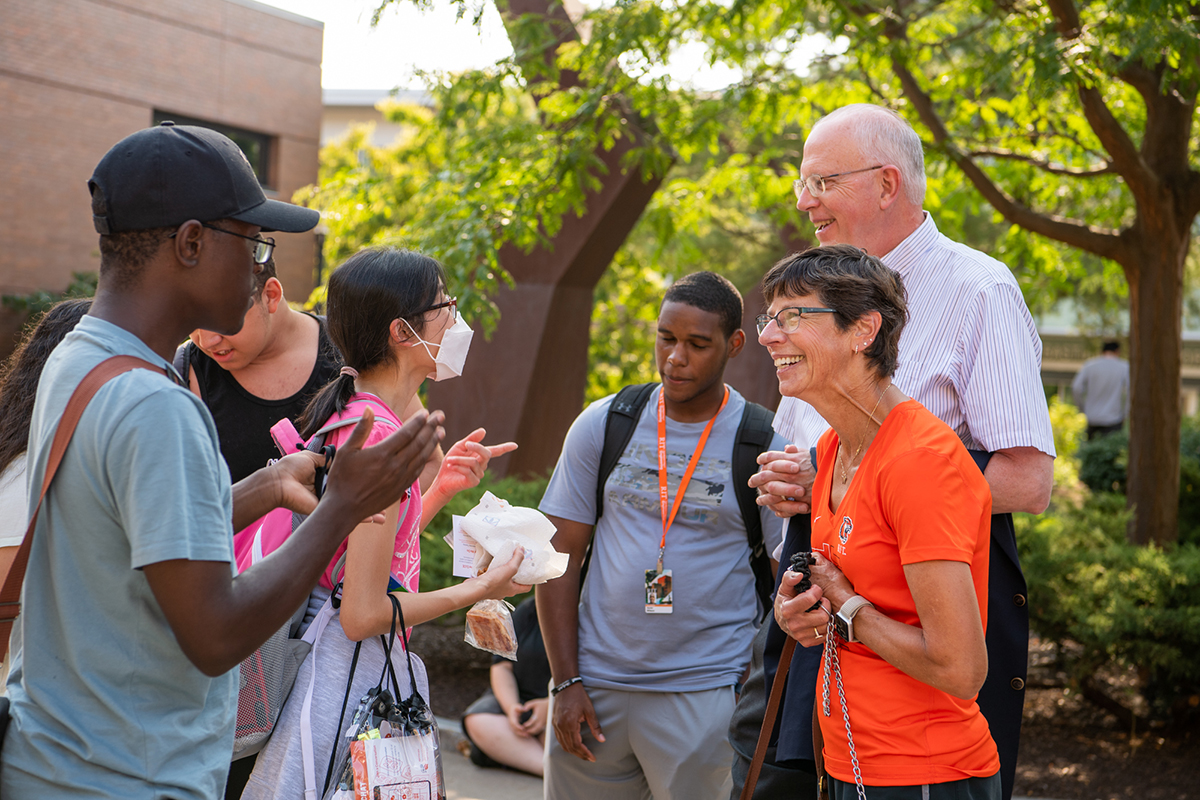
{"x":844,"y":532}
{"x":634,"y":483}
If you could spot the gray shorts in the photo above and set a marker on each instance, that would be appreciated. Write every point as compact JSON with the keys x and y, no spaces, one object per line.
{"x":660,"y":745}
{"x":486,"y":704}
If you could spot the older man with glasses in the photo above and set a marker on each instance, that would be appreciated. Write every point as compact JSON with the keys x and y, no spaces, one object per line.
{"x":970,"y":353}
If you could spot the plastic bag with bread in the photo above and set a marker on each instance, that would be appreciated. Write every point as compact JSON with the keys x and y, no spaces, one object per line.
{"x":490,"y":628}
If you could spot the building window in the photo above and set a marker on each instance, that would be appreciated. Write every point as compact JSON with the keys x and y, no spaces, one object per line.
{"x":257,"y":146}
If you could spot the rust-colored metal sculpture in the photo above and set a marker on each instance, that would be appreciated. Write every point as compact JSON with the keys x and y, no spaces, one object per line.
{"x":527,"y":384}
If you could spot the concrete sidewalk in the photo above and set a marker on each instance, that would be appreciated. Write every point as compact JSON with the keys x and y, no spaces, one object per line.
{"x":465,"y":781}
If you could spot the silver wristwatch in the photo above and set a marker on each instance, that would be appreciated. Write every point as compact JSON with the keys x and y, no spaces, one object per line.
{"x":843,"y":620}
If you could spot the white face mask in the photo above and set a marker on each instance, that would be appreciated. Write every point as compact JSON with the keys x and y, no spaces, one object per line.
{"x":452,"y":352}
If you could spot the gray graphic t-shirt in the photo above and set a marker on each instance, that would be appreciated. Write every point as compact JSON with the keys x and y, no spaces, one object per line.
{"x":705,"y":642}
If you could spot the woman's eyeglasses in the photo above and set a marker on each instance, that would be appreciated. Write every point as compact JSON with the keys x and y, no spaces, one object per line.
{"x":452,"y":302}
{"x":788,"y":319}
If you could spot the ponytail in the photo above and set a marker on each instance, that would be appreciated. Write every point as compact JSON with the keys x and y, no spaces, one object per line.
{"x":371,"y":289}
{"x":332,"y":399}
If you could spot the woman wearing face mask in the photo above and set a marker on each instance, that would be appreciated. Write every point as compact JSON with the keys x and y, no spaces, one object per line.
{"x":390,"y":316}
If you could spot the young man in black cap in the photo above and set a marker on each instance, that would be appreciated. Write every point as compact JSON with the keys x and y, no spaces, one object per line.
{"x":132,"y":616}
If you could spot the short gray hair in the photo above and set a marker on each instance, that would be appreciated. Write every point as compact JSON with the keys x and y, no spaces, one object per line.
{"x":885,"y":135}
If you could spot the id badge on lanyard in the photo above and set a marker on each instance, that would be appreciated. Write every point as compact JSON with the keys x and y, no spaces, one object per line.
{"x":658,"y":580}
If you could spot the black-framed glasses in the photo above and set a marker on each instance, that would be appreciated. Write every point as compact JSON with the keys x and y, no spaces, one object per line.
{"x":816,"y":183}
{"x":263,"y":248}
{"x":452,"y":302}
{"x":788,"y":319}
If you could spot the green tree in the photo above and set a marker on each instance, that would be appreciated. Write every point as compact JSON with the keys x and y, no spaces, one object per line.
{"x":1055,"y":108}
{"x":1074,"y":121}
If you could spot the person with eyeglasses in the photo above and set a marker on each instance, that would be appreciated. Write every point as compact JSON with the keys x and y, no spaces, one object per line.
{"x":134,"y":617}
{"x":900,"y":533}
{"x":970,"y":353}
{"x":251,"y":379}
{"x":391,"y":318}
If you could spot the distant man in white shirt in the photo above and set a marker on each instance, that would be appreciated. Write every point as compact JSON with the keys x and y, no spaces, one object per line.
{"x":1101,"y":390}
{"x":970,"y":354}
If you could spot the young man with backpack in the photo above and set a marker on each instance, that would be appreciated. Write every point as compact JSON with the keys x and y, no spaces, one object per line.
{"x":645,"y":659}
{"x":134,"y":618}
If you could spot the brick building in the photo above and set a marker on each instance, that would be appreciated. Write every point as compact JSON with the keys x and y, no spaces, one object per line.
{"x":76,"y":76}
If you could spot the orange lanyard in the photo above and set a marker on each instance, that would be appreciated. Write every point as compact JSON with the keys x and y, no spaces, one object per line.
{"x":687,"y":476}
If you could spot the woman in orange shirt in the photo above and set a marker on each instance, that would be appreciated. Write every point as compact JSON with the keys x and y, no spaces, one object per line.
{"x":900,"y":535}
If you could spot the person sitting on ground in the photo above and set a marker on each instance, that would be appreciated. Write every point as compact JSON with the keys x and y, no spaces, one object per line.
{"x":506,"y":726}
{"x":901,"y":532}
{"x":18,"y":387}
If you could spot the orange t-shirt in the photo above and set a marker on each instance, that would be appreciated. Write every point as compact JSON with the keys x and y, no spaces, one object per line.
{"x":917,"y":496}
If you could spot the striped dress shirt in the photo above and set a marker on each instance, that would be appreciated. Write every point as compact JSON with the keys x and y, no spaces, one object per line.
{"x":970,"y":352}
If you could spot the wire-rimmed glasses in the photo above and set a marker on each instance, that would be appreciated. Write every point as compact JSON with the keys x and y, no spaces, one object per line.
{"x":788,"y":319}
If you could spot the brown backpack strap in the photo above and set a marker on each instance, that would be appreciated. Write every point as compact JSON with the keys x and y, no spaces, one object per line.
{"x":768,"y":725}
{"x":102,"y":373}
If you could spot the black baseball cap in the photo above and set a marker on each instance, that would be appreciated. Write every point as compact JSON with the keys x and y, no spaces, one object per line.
{"x":164,"y":176}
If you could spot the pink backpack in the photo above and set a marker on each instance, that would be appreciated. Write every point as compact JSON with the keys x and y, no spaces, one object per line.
{"x":267,"y":676}
{"x":267,"y":534}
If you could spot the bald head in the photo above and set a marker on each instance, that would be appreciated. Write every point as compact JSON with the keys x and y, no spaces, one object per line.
{"x":873,"y":180}
{"x":883,"y":137}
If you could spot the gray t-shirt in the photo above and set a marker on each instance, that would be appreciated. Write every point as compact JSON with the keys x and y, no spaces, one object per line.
{"x":1101,"y":390}
{"x":705,"y":642}
{"x":104,"y":702}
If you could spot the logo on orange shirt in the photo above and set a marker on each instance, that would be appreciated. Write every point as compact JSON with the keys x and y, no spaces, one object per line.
{"x":844,"y":533}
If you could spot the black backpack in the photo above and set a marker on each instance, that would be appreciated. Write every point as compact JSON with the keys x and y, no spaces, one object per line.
{"x":754,"y":435}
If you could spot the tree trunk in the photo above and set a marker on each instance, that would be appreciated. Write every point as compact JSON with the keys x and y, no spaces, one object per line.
{"x":527,"y":382}
{"x":1155,"y":310}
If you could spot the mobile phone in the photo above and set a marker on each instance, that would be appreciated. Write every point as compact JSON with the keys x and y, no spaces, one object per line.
{"x":286,"y":437}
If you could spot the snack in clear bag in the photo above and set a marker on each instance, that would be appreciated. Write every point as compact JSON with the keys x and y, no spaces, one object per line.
{"x":490,"y":628}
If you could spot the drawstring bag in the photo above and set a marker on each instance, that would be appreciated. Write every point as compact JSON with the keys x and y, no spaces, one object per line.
{"x":267,"y":676}
{"x":390,"y":750}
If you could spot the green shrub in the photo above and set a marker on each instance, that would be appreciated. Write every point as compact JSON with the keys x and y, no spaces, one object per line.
{"x":1104,"y":463}
{"x":437,"y":557}
{"x":1107,"y":603}
{"x":83,"y":284}
{"x":1069,"y":424}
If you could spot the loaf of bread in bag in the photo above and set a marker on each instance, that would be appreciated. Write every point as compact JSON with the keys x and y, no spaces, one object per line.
{"x":490,"y":625}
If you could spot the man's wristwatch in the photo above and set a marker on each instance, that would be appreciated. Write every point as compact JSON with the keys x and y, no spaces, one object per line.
{"x":843,"y":620}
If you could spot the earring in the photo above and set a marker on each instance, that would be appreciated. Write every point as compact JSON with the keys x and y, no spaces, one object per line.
{"x":855,"y":349}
